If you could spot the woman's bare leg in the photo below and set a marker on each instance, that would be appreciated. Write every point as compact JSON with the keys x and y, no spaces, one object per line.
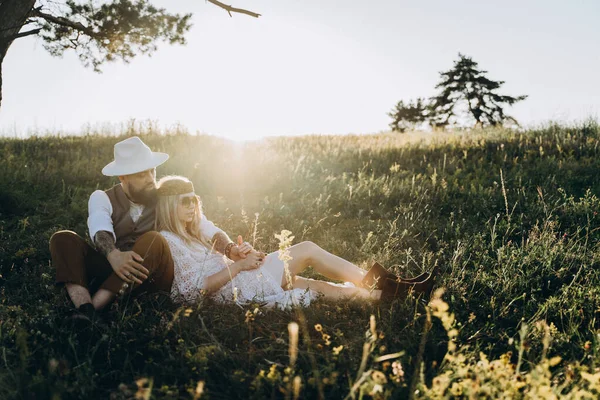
{"x":307,"y":254}
{"x":333,"y":292}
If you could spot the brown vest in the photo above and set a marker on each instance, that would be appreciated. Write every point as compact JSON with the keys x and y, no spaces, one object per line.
{"x":127,"y":231}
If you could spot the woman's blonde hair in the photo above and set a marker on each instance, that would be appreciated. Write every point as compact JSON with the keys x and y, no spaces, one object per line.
{"x":166,"y":212}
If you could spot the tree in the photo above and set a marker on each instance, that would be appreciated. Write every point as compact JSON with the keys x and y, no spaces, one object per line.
{"x":98,"y":31}
{"x":408,"y":116}
{"x":465,"y":84}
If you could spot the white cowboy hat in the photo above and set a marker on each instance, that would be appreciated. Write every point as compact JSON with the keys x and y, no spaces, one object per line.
{"x":133,"y":156}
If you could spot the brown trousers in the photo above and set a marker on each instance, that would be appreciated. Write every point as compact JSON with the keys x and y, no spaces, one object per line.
{"x":78,"y":262}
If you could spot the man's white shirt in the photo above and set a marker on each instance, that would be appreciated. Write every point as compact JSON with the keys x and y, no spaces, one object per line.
{"x":100,"y":211}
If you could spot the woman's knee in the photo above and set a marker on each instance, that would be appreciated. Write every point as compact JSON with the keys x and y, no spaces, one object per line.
{"x":310,"y":250}
{"x":308,"y":246}
{"x":304,"y":252}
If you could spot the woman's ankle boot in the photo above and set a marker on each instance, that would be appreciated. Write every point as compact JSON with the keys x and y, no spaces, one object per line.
{"x":416,"y":279}
{"x":398,"y":289}
{"x":376,"y":276}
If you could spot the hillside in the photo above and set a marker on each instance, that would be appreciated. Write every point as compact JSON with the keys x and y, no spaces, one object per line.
{"x":511,"y":218}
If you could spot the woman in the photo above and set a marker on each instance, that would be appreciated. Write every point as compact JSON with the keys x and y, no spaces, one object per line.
{"x":259,"y":277}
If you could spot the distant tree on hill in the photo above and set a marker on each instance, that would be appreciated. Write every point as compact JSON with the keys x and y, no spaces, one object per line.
{"x":98,"y":31}
{"x":468,"y":85}
{"x":463,"y":90}
{"x":408,"y":116}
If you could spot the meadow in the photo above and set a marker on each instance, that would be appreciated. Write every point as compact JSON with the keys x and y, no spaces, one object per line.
{"x":510,"y":217}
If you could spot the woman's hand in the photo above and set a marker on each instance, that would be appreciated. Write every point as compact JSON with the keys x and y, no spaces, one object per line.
{"x":216,"y":281}
{"x":253,"y":260}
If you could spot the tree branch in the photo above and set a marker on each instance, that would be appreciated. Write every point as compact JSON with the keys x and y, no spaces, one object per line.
{"x":63,"y":22}
{"x":8,"y":28}
{"x":28,"y":33}
{"x":230,"y":9}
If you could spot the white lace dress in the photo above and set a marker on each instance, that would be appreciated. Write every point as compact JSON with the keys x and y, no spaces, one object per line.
{"x":194,"y":263}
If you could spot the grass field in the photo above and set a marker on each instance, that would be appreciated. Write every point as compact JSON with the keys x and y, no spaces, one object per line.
{"x":511,"y":218}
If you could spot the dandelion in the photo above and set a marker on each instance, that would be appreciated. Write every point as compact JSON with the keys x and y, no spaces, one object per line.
{"x":318,"y":327}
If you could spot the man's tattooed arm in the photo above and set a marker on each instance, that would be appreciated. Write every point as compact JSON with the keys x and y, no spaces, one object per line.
{"x":105,"y":242}
{"x":220,"y":242}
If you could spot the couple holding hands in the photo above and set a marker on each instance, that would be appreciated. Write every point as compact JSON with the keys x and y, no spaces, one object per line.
{"x":151,"y":236}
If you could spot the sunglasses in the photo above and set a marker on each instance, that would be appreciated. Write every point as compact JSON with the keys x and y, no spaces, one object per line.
{"x":189,"y":200}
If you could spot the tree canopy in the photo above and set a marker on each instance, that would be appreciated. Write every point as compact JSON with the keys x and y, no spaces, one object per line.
{"x":98,"y":31}
{"x":463,"y":86}
{"x":408,"y":116}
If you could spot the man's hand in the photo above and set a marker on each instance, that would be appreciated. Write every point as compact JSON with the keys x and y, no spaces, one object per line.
{"x":126,"y":265}
{"x":242,"y":250}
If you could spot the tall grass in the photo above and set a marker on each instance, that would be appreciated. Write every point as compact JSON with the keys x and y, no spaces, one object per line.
{"x":510,"y":217}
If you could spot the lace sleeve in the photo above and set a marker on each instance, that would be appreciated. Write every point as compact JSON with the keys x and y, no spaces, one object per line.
{"x":189,"y":277}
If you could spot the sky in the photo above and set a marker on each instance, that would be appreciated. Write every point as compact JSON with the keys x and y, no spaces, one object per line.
{"x":314,"y":67}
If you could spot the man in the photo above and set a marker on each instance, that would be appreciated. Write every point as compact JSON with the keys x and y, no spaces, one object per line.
{"x":128,"y":255}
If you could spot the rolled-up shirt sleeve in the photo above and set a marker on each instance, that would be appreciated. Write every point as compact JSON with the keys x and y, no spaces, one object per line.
{"x":207,"y":228}
{"x":99,"y":214}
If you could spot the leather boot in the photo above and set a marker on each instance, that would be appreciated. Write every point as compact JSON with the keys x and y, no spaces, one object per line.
{"x":416,"y":279}
{"x":424,"y":276}
{"x":398,"y":289}
{"x":376,"y":276}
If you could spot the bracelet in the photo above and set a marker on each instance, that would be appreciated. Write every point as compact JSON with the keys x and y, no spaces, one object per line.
{"x":228,"y":249}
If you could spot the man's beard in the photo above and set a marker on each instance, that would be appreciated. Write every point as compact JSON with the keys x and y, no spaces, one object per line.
{"x":144,"y":196}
